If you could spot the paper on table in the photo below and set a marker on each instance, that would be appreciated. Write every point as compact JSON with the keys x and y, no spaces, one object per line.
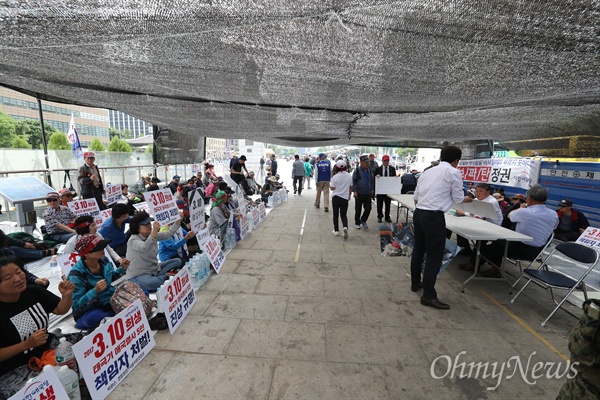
{"x":477,"y":207}
{"x":388,"y":185}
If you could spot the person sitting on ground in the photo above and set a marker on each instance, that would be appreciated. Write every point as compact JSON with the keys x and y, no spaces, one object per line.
{"x":516,"y":202}
{"x":267,"y":189}
{"x":571,"y":223}
{"x":173,"y":247}
{"x":84,"y":226}
{"x":57,"y":219}
{"x":129,"y":199}
{"x":139,"y":188}
{"x":142,"y":251}
{"x":22,"y":249}
{"x":114,"y":229}
{"x":153,"y":184}
{"x":252,"y":184}
{"x":31,"y":278}
{"x":190,"y":187}
{"x":212,"y":188}
{"x":65,"y":196}
{"x":219,"y":216}
{"x":209,"y":173}
{"x":92,"y":276}
{"x":24,"y":323}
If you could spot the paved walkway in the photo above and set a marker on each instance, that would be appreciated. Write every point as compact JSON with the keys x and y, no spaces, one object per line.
{"x":334,"y":320}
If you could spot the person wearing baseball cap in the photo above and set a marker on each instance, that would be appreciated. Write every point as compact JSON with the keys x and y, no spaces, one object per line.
{"x":90,"y":180}
{"x":65,"y":196}
{"x":571,"y":222}
{"x":92,"y":276}
{"x":57,"y":219}
{"x":174,"y":184}
{"x":386,"y":171}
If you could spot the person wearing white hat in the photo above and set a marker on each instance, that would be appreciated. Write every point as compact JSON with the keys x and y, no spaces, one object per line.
{"x":90,"y":181}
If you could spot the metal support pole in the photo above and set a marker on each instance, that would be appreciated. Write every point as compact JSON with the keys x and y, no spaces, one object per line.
{"x":44,"y":141}
{"x":155,"y":134}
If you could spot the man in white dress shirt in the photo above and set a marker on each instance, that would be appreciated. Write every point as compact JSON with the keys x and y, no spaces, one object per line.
{"x":437,"y":189}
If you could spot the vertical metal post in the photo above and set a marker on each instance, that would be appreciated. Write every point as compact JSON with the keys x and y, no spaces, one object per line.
{"x":155,"y":134}
{"x":44,"y":141}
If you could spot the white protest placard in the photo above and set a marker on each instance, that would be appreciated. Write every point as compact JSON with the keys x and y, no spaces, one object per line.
{"x":202,"y":236}
{"x":590,"y":237}
{"x":162,"y":206}
{"x":516,"y":172}
{"x":388,"y":185}
{"x":477,"y":207}
{"x":66,"y":261}
{"x":107,"y":355}
{"x":214,"y":253}
{"x":243,"y":225}
{"x":195,"y":168}
{"x":178,"y":298}
{"x":86,"y":207}
{"x":143,"y":206}
{"x":262,"y":211}
{"x":106,"y":214}
{"x":45,"y":386}
{"x":197,"y":213}
{"x":255,"y":216}
{"x":113,"y":193}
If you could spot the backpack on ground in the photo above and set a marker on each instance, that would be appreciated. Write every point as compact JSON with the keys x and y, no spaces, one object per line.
{"x":126,"y":294}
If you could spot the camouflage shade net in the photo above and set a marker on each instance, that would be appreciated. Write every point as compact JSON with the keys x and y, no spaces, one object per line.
{"x":317,"y":72}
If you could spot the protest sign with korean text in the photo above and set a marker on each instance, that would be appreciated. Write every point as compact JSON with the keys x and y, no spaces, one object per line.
{"x":106,"y":214}
{"x":243,"y":225}
{"x":255,"y":216}
{"x":45,"y":386}
{"x":143,"y":206}
{"x":515,"y":172}
{"x":197,"y":213}
{"x":202,"y":236}
{"x":262,"y":211}
{"x":162,"y":206}
{"x":87,"y":207}
{"x":590,"y":237}
{"x":214,"y":253}
{"x":107,"y":355}
{"x":113,"y":193}
{"x":178,"y":298}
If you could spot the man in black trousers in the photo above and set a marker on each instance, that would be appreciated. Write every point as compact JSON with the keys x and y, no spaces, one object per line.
{"x":386,"y":171}
{"x":437,"y":189}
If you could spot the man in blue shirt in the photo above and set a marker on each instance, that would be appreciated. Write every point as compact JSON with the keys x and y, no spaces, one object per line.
{"x":363,"y":184}
{"x":114,"y":229}
{"x":322,"y":179}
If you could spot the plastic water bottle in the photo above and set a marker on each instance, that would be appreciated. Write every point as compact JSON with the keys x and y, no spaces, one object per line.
{"x":54,"y":268}
{"x":64,"y":355}
{"x":250,"y":222}
{"x":230,"y":239}
{"x":70,"y":381}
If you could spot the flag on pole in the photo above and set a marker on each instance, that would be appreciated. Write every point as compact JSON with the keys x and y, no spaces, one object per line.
{"x":74,"y":139}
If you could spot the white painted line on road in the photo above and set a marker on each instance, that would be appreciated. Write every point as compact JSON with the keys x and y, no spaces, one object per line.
{"x":301,"y":234}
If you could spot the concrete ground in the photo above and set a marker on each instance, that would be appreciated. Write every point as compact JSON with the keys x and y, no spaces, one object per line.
{"x":297,"y":313}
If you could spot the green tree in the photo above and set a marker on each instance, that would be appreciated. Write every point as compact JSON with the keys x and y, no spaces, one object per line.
{"x":30,"y":130}
{"x":7,"y":129}
{"x":124,"y":134}
{"x":59,"y":141}
{"x":149,"y":149}
{"x":19,"y":142}
{"x":405,"y":151}
{"x":117,"y":144}
{"x":96,"y":145}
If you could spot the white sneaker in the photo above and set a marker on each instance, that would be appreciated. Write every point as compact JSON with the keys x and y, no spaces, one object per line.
{"x":345,"y":233}
{"x":336,"y":233}
{"x":357,"y":226}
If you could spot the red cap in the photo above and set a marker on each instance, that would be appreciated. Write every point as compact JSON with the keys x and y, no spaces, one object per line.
{"x":385,"y":158}
{"x":89,"y":154}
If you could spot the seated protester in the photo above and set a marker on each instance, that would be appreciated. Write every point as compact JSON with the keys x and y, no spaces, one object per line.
{"x":140,"y":186}
{"x":84,"y":226}
{"x":114,"y":229}
{"x":278,"y":184}
{"x":179,"y":192}
{"x":267,"y":189}
{"x":237,"y":175}
{"x":571,"y":223}
{"x":516,"y":202}
{"x":22,"y":249}
{"x":142,"y":251}
{"x":200,"y":181}
{"x":500,"y":199}
{"x":92,"y":276}
{"x":24,"y":322}
{"x":31,"y":278}
{"x":153,"y":184}
{"x":252,"y":184}
{"x":65,"y":196}
{"x":219,"y":216}
{"x":173,"y":247}
{"x":188,"y":188}
{"x":57,"y":219}
{"x":212,"y":188}
{"x":209,"y":173}
{"x":533,"y":219}
{"x":129,"y":199}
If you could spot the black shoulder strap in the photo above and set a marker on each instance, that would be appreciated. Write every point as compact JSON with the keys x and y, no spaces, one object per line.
{"x":78,"y":274}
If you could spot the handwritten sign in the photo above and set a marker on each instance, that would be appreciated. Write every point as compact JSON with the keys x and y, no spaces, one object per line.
{"x":515,"y":172}
{"x":197,"y":213}
{"x":214,"y":253}
{"x":387,"y":185}
{"x":113,"y":193}
{"x":87,"y":207}
{"x":178,"y":298}
{"x":45,"y":386}
{"x":163,"y":207}
{"x":590,"y":237}
{"x":107,"y":355}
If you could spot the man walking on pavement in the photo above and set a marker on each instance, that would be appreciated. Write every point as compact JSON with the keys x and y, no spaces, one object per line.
{"x":385,"y":171}
{"x":437,"y":189}
{"x":363,"y":185}
{"x":273,"y":165}
{"x":297,"y":174}
{"x":323,"y":176}
{"x":373,"y":165}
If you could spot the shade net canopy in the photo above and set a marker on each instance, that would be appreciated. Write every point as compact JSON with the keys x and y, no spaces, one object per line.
{"x":317,"y":72}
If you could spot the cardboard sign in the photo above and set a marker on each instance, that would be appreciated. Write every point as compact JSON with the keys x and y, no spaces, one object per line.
{"x":113,"y":193}
{"x":202,"y":236}
{"x":109,"y":354}
{"x":163,"y":206}
{"x":262,"y":211}
{"x":388,"y":185}
{"x":244,"y":228}
{"x":214,"y":253}
{"x":256,"y":216}
{"x":87,"y":207}
{"x":45,"y":386}
{"x":143,"y":206}
{"x":590,"y":237}
{"x":197,"y":213}
{"x":178,"y":298}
